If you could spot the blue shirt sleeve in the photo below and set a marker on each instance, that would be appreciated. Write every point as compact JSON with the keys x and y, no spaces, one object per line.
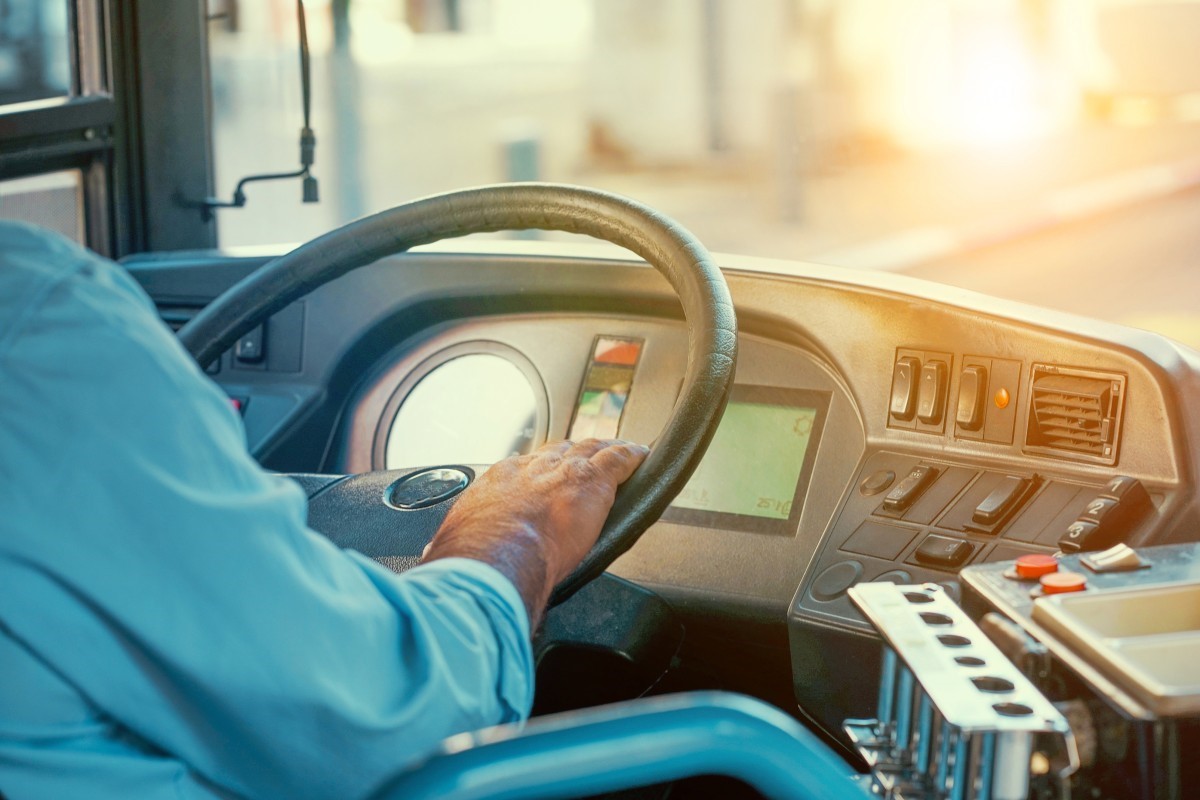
{"x":150,"y":563}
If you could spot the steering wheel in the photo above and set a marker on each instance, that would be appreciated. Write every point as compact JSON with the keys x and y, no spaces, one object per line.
{"x":354,"y":511}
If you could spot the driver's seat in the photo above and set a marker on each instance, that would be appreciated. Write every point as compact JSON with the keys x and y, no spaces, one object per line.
{"x":631,"y":744}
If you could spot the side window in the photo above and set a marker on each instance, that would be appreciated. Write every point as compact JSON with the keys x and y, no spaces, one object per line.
{"x":57,"y":117}
{"x":35,"y":51}
{"x":53,"y":200}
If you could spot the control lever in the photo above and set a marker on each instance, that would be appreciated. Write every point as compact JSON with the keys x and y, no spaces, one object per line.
{"x":1109,"y":518}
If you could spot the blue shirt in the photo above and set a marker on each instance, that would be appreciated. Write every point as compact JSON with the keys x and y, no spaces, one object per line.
{"x":169,"y":625}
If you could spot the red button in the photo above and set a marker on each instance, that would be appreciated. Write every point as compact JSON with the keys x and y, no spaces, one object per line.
{"x":1035,"y":565}
{"x":1063,"y":582}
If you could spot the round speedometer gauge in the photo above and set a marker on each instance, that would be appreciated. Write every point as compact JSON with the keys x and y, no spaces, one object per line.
{"x":467,"y":407}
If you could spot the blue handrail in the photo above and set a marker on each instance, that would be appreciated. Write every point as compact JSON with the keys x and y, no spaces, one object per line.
{"x":631,"y":744}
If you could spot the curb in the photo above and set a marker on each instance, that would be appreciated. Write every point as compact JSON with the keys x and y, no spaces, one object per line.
{"x":917,"y":246}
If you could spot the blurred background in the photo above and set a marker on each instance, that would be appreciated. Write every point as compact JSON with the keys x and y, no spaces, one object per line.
{"x":1042,"y":150}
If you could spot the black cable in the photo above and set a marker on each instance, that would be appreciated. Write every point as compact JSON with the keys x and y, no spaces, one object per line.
{"x":305,"y":86}
{"x":308,"y":141}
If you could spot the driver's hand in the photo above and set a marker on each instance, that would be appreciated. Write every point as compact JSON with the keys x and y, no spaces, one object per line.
{"x":535,"y":517}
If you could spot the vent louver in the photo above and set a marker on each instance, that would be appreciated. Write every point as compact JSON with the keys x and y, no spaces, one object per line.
{"x":1075,"y":413}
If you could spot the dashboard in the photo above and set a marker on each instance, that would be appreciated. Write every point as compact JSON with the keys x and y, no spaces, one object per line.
{"x":477,"y":393}
{"x":769,"y":450}
{"x":881,"y":428}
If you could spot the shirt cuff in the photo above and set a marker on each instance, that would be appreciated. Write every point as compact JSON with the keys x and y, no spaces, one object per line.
{"x":486,"y":574}
{"x":502,"y":603}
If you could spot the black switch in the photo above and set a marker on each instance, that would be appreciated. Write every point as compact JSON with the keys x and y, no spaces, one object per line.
{"x":904,"y":388}
{"x":1003,"y":499}
{"x":1127,"y":490}
{"x":1109,"y":518}
{"x":1083,"y":535}
{"x":931,"y":394}
{"x":972,"y":391}
{"x":943,"y":551}
{"x":909,"y":489}
{"x":1100,"y":509}
{"x":251,"y":348}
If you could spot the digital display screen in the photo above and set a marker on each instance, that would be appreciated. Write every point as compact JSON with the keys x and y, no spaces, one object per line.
{"x":606,"y":387}
{"x":755,"y":473}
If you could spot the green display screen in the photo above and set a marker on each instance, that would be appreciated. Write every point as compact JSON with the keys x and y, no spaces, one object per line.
{"x":757,"y":464}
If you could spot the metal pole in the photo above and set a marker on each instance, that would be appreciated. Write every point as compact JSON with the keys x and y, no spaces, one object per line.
{"x":347,"y":132}
{"x":713,"y":66}
{"x":522,"y":154}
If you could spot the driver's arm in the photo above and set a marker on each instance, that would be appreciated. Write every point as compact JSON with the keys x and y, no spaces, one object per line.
{"x":150,"y":565}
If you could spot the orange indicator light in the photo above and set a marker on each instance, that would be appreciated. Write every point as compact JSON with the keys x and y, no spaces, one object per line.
{"x":1002,"y":398}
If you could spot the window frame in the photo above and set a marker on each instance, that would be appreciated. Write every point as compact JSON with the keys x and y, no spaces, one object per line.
{"x":136,"y":125}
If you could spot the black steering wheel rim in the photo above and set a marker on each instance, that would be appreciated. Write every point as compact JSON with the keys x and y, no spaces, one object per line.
{"x":663,"y":243}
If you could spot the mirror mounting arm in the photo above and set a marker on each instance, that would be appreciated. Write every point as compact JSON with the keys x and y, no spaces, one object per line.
{"x":308,"y":141}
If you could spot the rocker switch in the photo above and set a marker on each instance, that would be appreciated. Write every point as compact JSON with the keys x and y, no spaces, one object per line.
{"x":931,"y":393}
{"x":1002,"y":500}
{"x":252,"y":347}
{"x":943,"y":551}
{"x":972,"y":388}
{"x":909,"y":489}
{"x":904,"y":388}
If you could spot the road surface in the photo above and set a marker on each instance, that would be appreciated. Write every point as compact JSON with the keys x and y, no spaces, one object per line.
{"x":1139,"y":266}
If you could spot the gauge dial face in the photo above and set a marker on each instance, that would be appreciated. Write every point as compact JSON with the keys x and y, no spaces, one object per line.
{"x":473,"y":409}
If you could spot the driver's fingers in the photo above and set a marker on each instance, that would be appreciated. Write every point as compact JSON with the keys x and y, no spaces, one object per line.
{"x":557,"y":448}
{"x":619,"y":459}
{"x":586,"y":448}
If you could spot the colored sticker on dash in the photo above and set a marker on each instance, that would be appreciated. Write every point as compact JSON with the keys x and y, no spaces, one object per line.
{"x":605,"y":389}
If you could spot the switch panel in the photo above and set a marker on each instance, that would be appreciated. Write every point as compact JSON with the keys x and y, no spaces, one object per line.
{"x":986,"y":404}
{"x":919,"y":391}
{"x":1109,"y":518}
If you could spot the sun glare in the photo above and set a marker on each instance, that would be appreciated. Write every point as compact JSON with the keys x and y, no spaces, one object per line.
{"x":996,"y":100}
{"x":967,"y":79}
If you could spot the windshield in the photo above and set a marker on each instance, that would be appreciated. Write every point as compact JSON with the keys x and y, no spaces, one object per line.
{"x":1040,"y":151}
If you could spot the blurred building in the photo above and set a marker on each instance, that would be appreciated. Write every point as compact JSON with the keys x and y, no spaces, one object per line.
{"x":712,"y":76}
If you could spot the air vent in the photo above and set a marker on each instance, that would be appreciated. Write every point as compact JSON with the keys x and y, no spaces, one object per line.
{"x":1075,"y":413}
